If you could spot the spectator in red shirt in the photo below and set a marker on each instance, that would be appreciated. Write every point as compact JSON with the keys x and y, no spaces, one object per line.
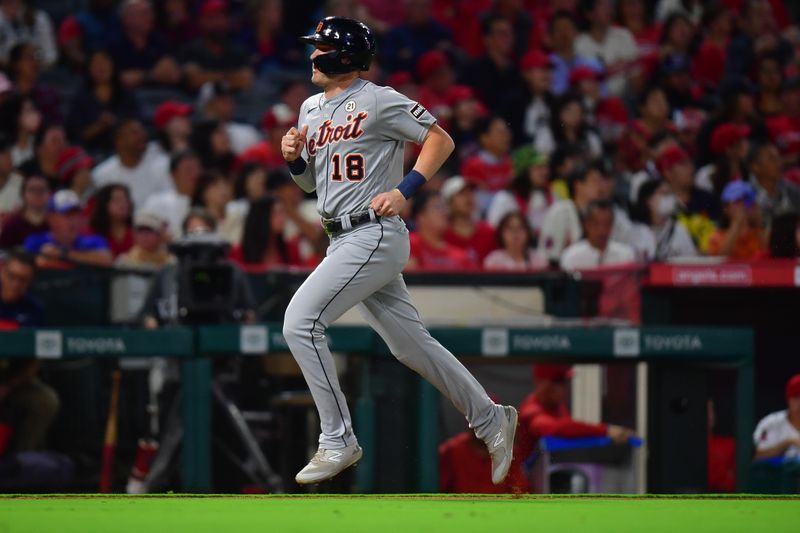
{"x":429,"y":250}
{"x":173,"y":124}
{"x":784,"y":129}
{"x":633,"y":14}
{"x":112,"y":218}
{"x":545,"y":412}
{"x":464,"y":467}
{"x":436,"y":76}
{"x":653,"y":120}
{"x":473,"y":236}
{"x":490,"y":170}
{"x":32,"y":218}
{"x":75,"y":172}
{"x":708,"y":64}
{"x":467,"y":110}
{"x":277,"y":119}
{"x":263,"y":244}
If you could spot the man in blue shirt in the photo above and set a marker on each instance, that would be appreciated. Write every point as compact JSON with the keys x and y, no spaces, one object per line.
{"x":64,"y":242}
{"x":562,"y":34}
{"x":30,"y":404}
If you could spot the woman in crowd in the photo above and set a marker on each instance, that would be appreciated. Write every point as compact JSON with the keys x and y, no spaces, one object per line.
{"x":20,"y":120}
{"x":653,"y":120}
{"x":48,"y":145}
{"x":568,"y":125}
{"x":657,"y":230}
{"x":770,"y":82}
{"x":213,"y":193}
{"x":99,"y":106}
{"x":211,"y":141}
{"x":515,"y":241}
{"x":263,"y":244}
{"x":24,"y":70}
{"x":112,"y":218}
{"x":529,"y":193}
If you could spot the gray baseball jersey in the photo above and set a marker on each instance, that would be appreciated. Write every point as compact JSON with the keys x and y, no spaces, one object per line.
{"x":355,"y":144}
{"x":354,"y":150}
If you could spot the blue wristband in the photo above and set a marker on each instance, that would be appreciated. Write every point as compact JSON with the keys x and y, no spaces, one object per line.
{"x":298,"y":166}
{"x":411,"y":184}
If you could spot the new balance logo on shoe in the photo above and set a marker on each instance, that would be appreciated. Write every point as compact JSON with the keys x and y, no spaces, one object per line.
{"x":335,"y":457}
{"x":498,"y":440}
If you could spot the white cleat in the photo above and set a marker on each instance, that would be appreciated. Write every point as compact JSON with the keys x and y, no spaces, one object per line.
{"x":327,"y":463}
{"x":501,"y":445}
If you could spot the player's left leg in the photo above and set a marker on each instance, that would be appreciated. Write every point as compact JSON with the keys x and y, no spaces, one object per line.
{"x":392,"y":314}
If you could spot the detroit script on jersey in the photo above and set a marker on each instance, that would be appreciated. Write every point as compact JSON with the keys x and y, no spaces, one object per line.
{"x":355,"y":144}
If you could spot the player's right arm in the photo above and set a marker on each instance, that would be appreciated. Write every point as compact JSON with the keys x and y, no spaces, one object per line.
{"x":292,"y":146}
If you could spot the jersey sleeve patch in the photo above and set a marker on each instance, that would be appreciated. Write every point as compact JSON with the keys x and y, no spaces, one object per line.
{"x":417,"y":111}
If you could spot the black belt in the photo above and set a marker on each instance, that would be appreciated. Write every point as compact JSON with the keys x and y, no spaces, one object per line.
{"x":334,"y":226}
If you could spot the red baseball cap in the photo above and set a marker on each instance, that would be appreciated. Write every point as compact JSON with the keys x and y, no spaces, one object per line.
{"x":726,"y":135}
{"x":70,"y":161}
{"x":430,"y":62}
{"x":612,"y":110}
{"x":213,"y":7}
{"x":793,"y":387}
{"x":579,"y":74}
{"x":552,"y":372}
{"x":459,"y":93}
{"x":671,"y":157}
{"x":399,"y":78}
{"x":535,"y":59}
{"x":169,"y":110}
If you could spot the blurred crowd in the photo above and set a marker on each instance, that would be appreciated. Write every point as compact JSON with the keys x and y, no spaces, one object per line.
{"x":588,"y":132}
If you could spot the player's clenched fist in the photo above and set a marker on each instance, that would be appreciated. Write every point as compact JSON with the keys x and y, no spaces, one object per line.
{"x":293,"y":142}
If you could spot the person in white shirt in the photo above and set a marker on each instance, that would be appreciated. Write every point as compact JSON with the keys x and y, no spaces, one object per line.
{"x":562,"y":224}
{"x":141,"y":169}
{"x":515,"y":253}
{"x":172,"y":205}
{"x":597,"y":249}
{"x":21,"y":22}
{"x":778,"y":433}
{"x":216,"y":102}
{"x":613,"y":45}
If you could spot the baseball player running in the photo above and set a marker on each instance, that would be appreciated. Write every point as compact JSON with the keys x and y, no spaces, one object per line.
{"x":348,"y":145}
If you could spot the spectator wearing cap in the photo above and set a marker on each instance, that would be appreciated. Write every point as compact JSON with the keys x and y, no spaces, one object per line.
{"x":490,"y":170}
{"x":730,"y":145}
{"x":216,"y":102}
{"x":588,"y":83}
{"x":112,"y":218}
{"x":99,"y":105}
{"x":64,"y":241}
{"x":403,"y":82}
{"x":741,"y":234}
{"x":213,"y":57}
{"x":32,"y":216}
{"x":562,"y":34}
{"x":708,"y":64}
{"x":10,"y":181}
{"x":784,"y":129}
{"x":653,"y":120}
{"x":93,"y":28}
{"x":467,"y":112}
{"x":173,"y":124}
{"x":545,"y":412}
{"x":537,"y":70}
{"x":475,"y":237}
{"x":144,"y":171}
{"x":495,"y":75}
{"x":140,"y":53}
{"x":697,"y":209}
{"x":778,"y":433}
{"x":613,"y":45}
{"x":561,"y":226}
{"x":49,"y":143}
{"x":529,"y":192}
{"x":655,"y":220}
{"x":437,"y":85}
{"x":302,"y":220}
{"x":515,"y":246}
{"x":597,"y":249}
{"x":405,"y":43}
{"x":149,"y":250}
{"x":568,"y":126}
{"x":265,"y":40}
{"x":757,"y":36}
{"x":173,"y":204}
{"x":75,"y":171}
{"x":21,"y":22}
{"x":774,"y":195}
{"x":429,"y":250}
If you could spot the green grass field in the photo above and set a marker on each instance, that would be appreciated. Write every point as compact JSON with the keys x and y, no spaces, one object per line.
{"x":386,"y":514}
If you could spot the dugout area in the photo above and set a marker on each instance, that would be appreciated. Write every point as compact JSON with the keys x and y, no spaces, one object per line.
{"x":462,"y":513}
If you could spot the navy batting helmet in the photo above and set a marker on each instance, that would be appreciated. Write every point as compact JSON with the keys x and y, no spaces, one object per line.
{"x":353,"y":43}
